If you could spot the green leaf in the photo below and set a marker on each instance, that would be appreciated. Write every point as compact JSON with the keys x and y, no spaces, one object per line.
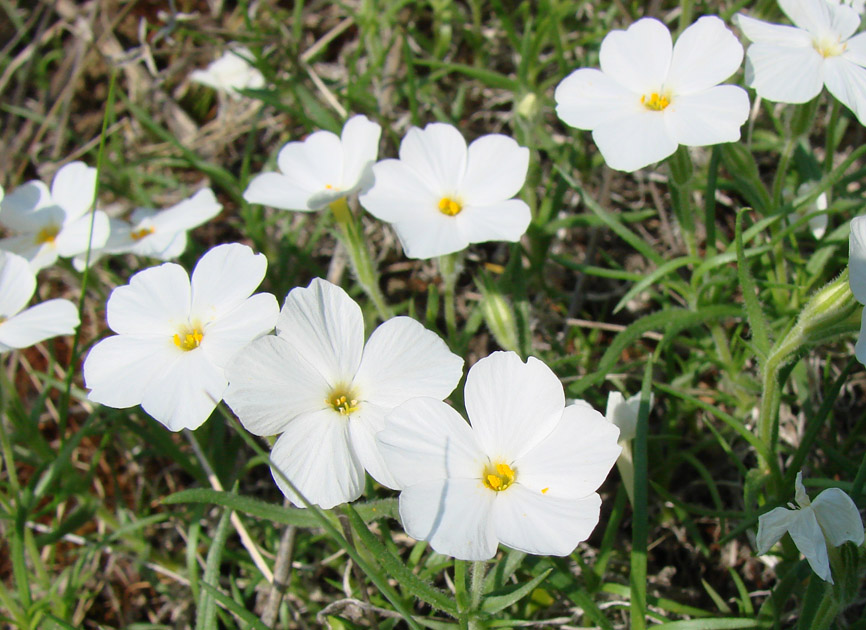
{"x":206,"y":613}
{"x":246,"y":505}
{"x":238,"y":609}
{"x":503,"y":598}
{"x":722,"y":623}
{"x":754,"y":312}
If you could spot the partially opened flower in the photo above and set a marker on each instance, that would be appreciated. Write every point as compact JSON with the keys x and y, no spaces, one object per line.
{"x":321,"y":169}
{"x":175,"y":336}
{"x":524,"y":474}
{"x":790,"y":64}
{"x":624,"y":414}
{"x":230,"y":73}
{"x":831,"y":518}
{"x":317,"y":384}
{"x":649,"y":96}
{"x":56,"y":222}
{"x":857,"y":277}
{"x":160,"y":234}
{"x":21,"y":327}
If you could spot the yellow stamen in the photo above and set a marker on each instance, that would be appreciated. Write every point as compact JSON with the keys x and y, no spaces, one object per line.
{"x":544,"y":490}
{"x":140,"y":233}
{"x":47,"y":234}
{"x":828,"y":47}
{"x":343,"y":400}
{"x":188,"y":340}
{"x":498,"y":477}
{"x":449,"y":206}
{"x":656,"y":102}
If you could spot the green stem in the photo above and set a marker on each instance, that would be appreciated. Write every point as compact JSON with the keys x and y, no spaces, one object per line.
{"x":449,"y":269}
{"x":476,"y":588}
{"x":460,"y":593}
{"x":832,"y":136}
{"x":359,"y":254}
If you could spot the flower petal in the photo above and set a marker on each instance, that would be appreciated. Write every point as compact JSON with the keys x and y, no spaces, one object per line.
{"x":772,"y":526}
{"x":638,"y":58}
{"x":847,"y":82}
{"x":632,"y":143}
{"x":278,"y":191}
{"x":860,"y":347}
{"x":252,"y":318}
{"x":808,"y":14}
{"x":360,"y":142}
{"x":404,"y":360}
{"x":785,"y":74}
{"x":855,"y":49}
{"x":838,"y":517}
{"x":74,"y":188}
{"x":325,"y":326}
{"x":314,"y":454}
{"x":768,"y":33}
{"x":223,"y":278}
{"x":79,"y":235}
{"x":588,"y":98}
{"x":438,"y":155}
{"x":315,"y":163}
{"x":184,"y":395}
{"x":857,"y":258}
{"x":712,"y":116}
{"x":189,"y":213}
{"x":537,"y":523}
{"x":399,"y":193}
{"x":705,"y":54}
{"x":574,"y":459}
{"x":501,"y":221}
{"x":453,"y":515}
{"x":426,"y":439}
{"x":17,"y":284}
{"x":270,"y":384}
{"x":807,"y":535}
{"x":364,"y":424}
{"x":154,"y":303}
{"x":495,"y":170}
{"x":512,"y":405}
{"x":429,"y":236}
{"x":37,"y":323}
{"x":17,"y":208}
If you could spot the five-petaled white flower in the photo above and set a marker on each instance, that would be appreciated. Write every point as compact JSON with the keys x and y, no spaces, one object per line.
{"x":321,"y":169}
{"x":650,"y":97}
{"x":327,"y":393}
{"x":19,"y":327}
{"x":56,"y":222}
{"x":441,"y":196}
{"x":157,"y":234}
{"x":857,"y":277}
{"x":832,"y":517}
{"x":790,"y":64}
{"x":175,"y":337}
{"x":230,"y":73}
{"x":524,"y":474}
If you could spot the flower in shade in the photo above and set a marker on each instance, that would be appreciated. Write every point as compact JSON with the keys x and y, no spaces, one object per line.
{"x":175,"y":336}
{"x":524,"y":474}
{"x":160,"y":234}
{"x":790,"y":64}
{"x":318,"y":385}
{"x":624,"y":414}
{"x":649,"y":96}
{"x":230,"y":73}
{"x":56,"y":222}
{"x":321,"y":169}
{"x":20,"y":327}
{"x":831,"y":518}
{"x":441,"y":196}
{"x":857,"y":277}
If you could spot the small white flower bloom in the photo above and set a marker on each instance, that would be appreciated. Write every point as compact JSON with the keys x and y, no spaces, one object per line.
{"x":624,"y":413}
{"x":649,"y":96}
{"x":832,"y":517}
{"x":524,"y":474}
{"x":20,"y":327}
{"x":157,"y":234}
{"x":441,"y":196}
{"x":230,"y":73}
{"x":790,"y":64}
{"x":56,"y":222}
{"x":175,"y":336}
{"x":327,"y":393}
{"x":321,"y":169}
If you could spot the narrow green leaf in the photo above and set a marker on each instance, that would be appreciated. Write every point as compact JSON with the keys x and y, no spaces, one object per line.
{"x":656,"y":276}
{"x":722,"y":623}
{"x":640,"y":518}
{"x":206,"y":611}
{"x":246,"y":505}
{"x":755,"y":314}
{"x":238,"y":609}
{"x":502,"y":599}
{"x":487,"y":77}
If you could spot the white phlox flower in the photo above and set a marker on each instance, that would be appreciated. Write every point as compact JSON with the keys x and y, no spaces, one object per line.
{"x":318,"y":385}
{"x":176,"y":335}
{"x":649,"y":96}
{"x":790,"y":64}
{"x":230,"y":73}
{"x":160,"y":234}
{"x":441,"y":196}
{"x":831,"y":518}
{"x":20,"y":327}
{"x":524,"y":474}
{"x":857,"y":277}
{"x":624,"y":413}
{"x":857,"y":5}
{"x":56,"y":222}
{"x":817,"y":222}
{"x":321,"y":169}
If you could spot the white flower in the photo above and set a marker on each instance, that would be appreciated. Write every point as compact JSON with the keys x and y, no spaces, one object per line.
{"x":857,"y":276}
{"x":327,"y":393}
{"x":832,"y":517}
{"x":56,"y":222}
{"x":230,"y":73}
{"x":650,"y":97}
{"x":524,"y":474}
{"x":19,"y":327}
{"x":624,"y":413}
{"x":175,"y":337}
{"x":441,"y":196}
{"x":321,"y":169}
{"x":790,"y":64}
{"x":857,"y":5}
{"x":157,"y":234}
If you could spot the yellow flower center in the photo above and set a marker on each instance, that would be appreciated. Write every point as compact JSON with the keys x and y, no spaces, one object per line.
{"x":47,"y":234}
{"x":140,"y":233}
{"x":829,"y":46}
{"x":498,"y":477}
{"x":655,"y":101}
{"x":343,"y":400}
{"x":449,"y":206}
{"x":188,"y":338}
